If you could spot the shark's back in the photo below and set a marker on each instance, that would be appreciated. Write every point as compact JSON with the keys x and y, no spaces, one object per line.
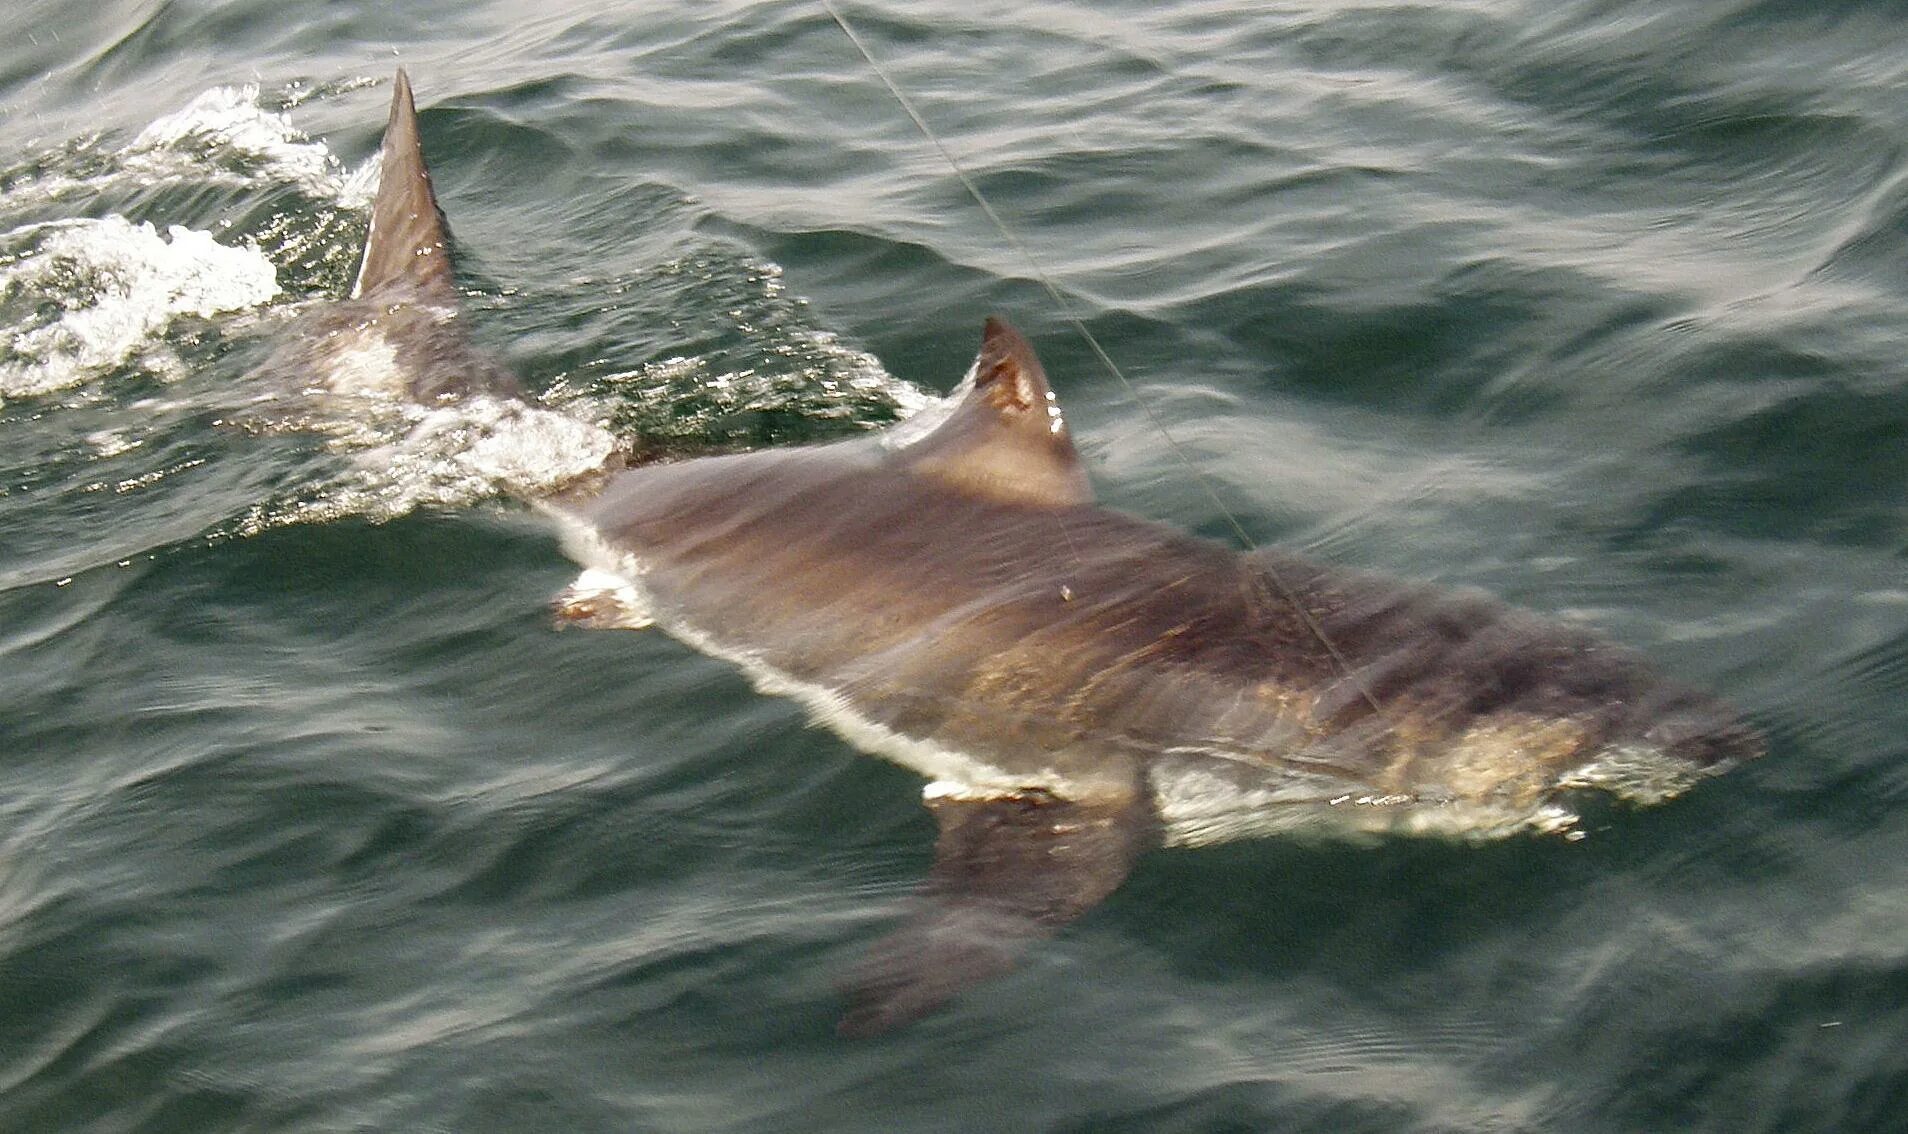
{"x":1013,"y":635}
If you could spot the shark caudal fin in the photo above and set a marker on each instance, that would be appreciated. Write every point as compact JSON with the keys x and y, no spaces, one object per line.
{"x":409,"y":245}
{"x":1006,"y":440}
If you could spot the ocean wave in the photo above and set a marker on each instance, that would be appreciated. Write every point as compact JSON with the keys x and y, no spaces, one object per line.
{"x":226,"y":135}
{"x":81,"y":295}
{"x":78,"y":297}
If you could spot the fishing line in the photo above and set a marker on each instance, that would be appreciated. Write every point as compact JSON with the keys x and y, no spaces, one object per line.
{"x":1067,"y":313}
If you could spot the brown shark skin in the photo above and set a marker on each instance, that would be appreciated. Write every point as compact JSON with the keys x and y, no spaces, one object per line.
{"x":408,"y":248}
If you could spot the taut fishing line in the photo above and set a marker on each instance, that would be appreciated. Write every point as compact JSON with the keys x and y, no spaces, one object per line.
{"x":1067,"y":313}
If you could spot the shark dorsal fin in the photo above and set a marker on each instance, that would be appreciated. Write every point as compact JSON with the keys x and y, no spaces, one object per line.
{"x":1006,"y":439}
{"x":408,"y":243}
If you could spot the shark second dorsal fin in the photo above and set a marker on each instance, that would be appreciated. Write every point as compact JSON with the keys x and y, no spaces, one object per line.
{"x":1006,"y":440}
{"x":408,"y":244}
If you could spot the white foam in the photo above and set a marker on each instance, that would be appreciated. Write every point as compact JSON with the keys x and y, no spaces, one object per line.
{"x":603,"y":600}
{"x":474,"y":449}
{"x":221,"y":137}
{"x":228,"y":122}
{"x":115,"y":286}
{"x":526,"y":449}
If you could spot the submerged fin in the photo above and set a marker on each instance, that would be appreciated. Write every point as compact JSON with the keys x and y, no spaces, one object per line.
{"x":1006,"y":440}
{"x":1008,"y":871}
{"x":408,"y":243}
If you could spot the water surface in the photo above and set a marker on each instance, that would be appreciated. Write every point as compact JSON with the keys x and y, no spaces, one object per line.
{"x":311,"y":821}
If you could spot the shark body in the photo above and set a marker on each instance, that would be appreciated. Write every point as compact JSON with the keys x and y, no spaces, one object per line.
{"x":1075,"y":683}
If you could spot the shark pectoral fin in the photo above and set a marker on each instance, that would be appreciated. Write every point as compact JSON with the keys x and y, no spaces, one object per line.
{"x":409,"y":244}
{"x":1007,"y":440}
{"x":1008,"y":870}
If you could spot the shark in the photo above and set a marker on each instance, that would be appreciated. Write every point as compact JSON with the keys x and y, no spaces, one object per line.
{"x":1075,"y":685}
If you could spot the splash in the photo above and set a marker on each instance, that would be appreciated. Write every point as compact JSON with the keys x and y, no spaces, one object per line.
{"x":226,"y":131}
{"x":78,"y":297}
{"x":224,"y":136}
{"x":405,"y":457}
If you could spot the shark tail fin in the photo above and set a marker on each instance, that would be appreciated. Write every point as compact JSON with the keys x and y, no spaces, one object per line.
{"x":409,"y":244}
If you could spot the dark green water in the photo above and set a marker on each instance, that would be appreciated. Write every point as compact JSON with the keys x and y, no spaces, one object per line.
{"x":310,"y":821}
